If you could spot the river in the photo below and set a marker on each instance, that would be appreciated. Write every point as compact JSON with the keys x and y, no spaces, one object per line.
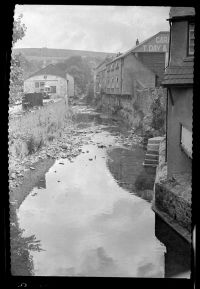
{"x":92,"y":214}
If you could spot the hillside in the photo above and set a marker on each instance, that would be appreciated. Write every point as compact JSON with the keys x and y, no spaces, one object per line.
{"x":57,"y":54}
{"x":33,"y":59}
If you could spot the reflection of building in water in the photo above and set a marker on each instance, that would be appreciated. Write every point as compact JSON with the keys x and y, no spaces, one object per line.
{"x":41,"y":183}
{"x":126,"y":167}
{"x":178,"y":251}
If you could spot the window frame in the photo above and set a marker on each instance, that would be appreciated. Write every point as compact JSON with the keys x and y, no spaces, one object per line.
{"x":189,"y":53}
{"x":42,"y":86}
{"x":38,"y":84}
{"x":183,"y":148}
{"x":53,"y":86}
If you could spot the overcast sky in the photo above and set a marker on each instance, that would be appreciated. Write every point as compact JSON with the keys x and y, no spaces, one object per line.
{"x":95,"y":28}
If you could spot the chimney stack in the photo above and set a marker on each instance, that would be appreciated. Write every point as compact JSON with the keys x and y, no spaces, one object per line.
{"x":137,"y":42}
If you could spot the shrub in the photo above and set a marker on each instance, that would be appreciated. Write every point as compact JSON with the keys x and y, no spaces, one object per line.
{"x":34,"y":129}
{"x":158,"y":113}
{"x":51,"y":137}
{"x":30,"y":145}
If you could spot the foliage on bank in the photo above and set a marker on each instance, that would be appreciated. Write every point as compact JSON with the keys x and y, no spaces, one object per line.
{"x":16,"y":71}
{"x":29,"y":132}
{"x":144,"y":111}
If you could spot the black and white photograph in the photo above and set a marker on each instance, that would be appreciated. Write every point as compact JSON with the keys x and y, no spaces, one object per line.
{"x":100,"y":132}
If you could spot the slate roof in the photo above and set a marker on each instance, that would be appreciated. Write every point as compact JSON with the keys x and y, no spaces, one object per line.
{"x":103,"y":63}
{"x":136,"y":46}
{"x":50,"y":69}
{"x":178,"y":75}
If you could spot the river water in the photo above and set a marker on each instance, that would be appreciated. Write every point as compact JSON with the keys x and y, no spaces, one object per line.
{"x":92,"y":214}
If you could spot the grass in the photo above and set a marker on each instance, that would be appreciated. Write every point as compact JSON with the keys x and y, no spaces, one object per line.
{"x":29,"y":132}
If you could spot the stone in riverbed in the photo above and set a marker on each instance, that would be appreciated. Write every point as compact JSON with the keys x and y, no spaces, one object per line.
{"x":64,"y":146}
{"x":63,"y":156}
{"x":101,"y":146}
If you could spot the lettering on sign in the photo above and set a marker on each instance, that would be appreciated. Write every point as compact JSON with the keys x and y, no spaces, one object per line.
{"x":155,"y":48}
{"x":162,"y":39}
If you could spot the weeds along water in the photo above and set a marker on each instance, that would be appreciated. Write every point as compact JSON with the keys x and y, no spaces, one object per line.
{"x":30,"y":131}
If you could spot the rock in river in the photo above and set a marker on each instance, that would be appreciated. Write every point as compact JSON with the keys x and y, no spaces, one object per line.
{"x":64,"y":146}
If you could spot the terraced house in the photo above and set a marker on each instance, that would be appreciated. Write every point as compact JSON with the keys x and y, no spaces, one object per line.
{"x":140,"y":67}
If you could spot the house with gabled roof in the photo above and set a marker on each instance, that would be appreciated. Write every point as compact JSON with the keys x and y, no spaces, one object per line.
{"x":142,"y":66}
{"x":100,"y":76}
{"x":51,"y":78}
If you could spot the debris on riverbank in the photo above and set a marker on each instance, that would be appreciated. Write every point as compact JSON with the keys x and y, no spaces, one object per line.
{"x":94,"y":162}
{"x":68,"y":145}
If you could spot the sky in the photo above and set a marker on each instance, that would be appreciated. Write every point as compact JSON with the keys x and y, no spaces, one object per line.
{"x":88,"y":27}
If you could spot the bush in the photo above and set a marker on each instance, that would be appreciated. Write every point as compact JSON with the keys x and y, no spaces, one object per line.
{"x":30,"y":145}
{"x":29,"y":132}
{"x":158,"y":113}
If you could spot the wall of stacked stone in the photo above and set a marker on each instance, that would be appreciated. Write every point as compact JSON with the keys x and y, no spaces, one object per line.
{"x":167,"y":198}
{"x":145,"y":97}
{"x":135,"y":110}
{"x":168,"y":201}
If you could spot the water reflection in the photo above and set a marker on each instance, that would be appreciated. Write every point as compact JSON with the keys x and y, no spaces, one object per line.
{"x":42,"y":183}
{"x":126,"y":167}
{"x":88,"y":224}
{"x":93,"y":215}
{"x":20,"y":247}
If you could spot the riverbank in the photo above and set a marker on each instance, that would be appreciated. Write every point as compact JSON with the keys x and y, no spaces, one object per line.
{"x":31,"y":134}
{"x":30,"y":172}
{"x":24,"y":174}
{"x":145,"y":110}
{"x":172,"y":197}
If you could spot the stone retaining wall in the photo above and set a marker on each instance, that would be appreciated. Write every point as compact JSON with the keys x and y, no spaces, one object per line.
{"x":134,"y":110}
{"x":172,"y":198}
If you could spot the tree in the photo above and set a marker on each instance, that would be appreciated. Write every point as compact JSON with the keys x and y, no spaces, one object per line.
{"x":80,"y":70}
{"x":158,"y":114}
{"x":19,"y":29}
{"x":16,"y":71}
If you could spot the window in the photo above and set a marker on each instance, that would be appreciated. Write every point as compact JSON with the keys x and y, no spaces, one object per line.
{"x":36,"y":84}
{"x":191,"y":39}
{"x":53,"y":89}
{"x":108,"y":83}
{"x":42,"y":84}
{"x":117,"y":82}
{"x":186,"y":141}
{"x":112,"y":83}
